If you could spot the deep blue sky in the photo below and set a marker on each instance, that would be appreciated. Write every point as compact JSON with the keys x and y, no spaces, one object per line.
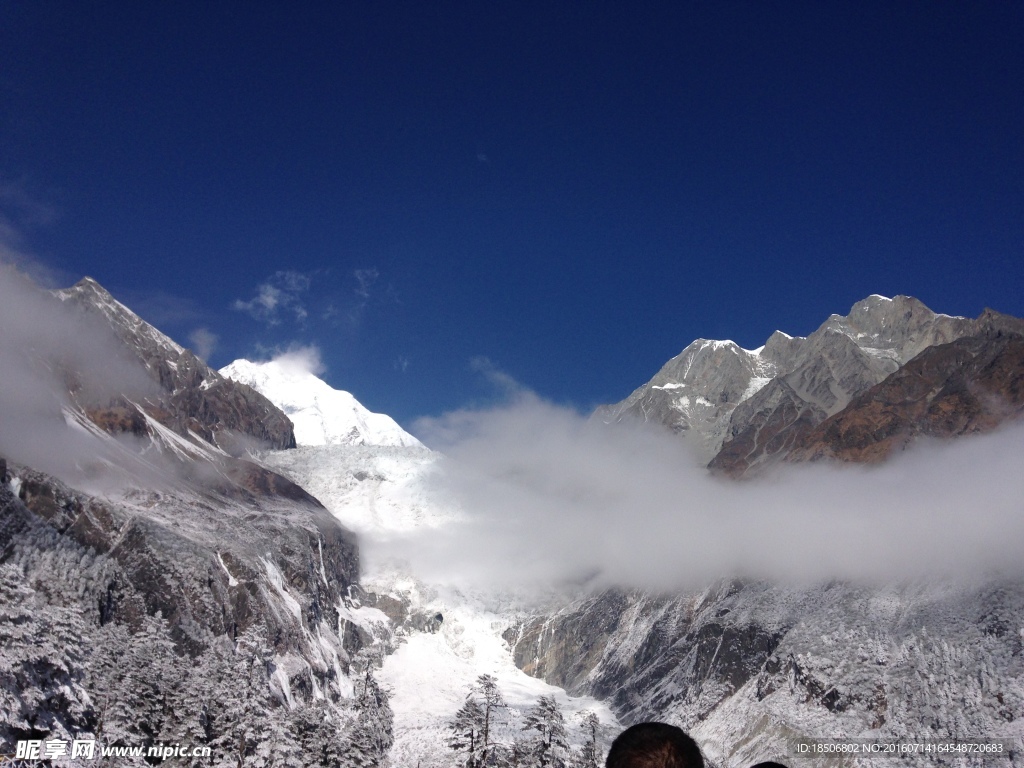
{"x":573,"y":190}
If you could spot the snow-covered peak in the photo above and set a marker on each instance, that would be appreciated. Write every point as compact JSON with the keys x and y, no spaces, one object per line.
{"x":321,"y":414}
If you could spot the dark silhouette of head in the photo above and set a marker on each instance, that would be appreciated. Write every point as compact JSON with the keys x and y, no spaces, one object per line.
{"x":768,"y":764}
{"x":654,"y":745}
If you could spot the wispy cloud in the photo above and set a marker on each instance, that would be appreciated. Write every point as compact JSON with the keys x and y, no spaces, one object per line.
{"x":369,"y":290}
{"x":22,"y":208}
{"x":295,"y":357}
{"x":503,"y":382}
{"x":281,"y":295}
{"x":203,"y":341}
{"x":43,"y":340}
{"x":365,"y":279}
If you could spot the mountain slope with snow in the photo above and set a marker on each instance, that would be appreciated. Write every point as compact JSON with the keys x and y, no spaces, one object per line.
{"x":321,"y":414}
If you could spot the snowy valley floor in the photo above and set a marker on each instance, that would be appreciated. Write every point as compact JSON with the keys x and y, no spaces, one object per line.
{"x":380,"y":493}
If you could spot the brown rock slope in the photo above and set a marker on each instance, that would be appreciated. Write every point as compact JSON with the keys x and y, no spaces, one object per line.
{"x":973,"y":384}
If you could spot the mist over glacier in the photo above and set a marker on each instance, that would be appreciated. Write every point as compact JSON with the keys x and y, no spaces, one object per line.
{"x":549,"y":496}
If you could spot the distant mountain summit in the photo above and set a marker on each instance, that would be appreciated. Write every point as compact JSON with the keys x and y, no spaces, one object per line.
{"x":745,"y":409}
{"x":321,"y":414}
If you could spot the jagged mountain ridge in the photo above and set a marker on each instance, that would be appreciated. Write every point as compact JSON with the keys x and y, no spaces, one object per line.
{"x":970,"y":385}
{"x":192,"y":397}
{"x":746,"y":409}
{"x":321,"y":414}
{"x":750,"y":668}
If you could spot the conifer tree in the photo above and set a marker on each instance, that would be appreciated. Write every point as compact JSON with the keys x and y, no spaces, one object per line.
{"x":41,"y":663}
{"x":487,"y":686}
{"x":589,"y":755}
{"x":467,"y":729}
{"x":316,"y":732}
{"x":552,"y":744}
{"x":242,"y":721}
{"x":371,"y":736}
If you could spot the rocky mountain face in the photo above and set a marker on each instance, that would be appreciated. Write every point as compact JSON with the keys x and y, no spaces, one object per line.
{"x":190,"y":397}
{"x":751,"y":668}
{"x":973,"y":384}
{"x":175,"y":551}
{"x":746,"y":410}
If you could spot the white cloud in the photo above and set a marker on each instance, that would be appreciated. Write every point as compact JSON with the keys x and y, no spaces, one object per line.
{"x":502,"y":381}
{"x":365,"y":278}
{"x":281,"y":294}
{"x":300,"y":358}
{"x":551,"y":496}
{"x":42,"y":341}
{"x":203,"y":341}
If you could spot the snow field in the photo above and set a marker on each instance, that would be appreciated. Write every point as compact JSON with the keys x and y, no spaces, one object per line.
{"x":380,"y":492}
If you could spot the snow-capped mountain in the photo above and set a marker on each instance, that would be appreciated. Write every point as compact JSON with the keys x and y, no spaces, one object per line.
{"x":211,"y":599}
{"x":321,"y":414}
{"x":744,"y":409}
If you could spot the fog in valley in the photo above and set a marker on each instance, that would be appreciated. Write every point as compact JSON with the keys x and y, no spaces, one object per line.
{"x":551,"y":496}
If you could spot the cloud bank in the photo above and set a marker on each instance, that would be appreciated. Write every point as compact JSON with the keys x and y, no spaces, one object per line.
{"x":550,"y":496}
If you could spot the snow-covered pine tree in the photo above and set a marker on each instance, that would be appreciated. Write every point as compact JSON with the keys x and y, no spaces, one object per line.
{"x":589,"y":755}
{"x":280,"y":749}
{"x":316,"y":731}
{"x":41,"y":664}
{"x":524,"y":753}
{"x":159,"y":673}
{"x":487,"y":686}
{"x":133,"y":679}
{"x":553,"y":743}
{"x":241,"y":722}
{"x":372,"y":735}
{"x":467,"y":729}
{"x":190,"y":707}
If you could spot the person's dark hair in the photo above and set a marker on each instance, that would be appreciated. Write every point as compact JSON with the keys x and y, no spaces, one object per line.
{"x":654,"y":745}
{"x":768,"y":764}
